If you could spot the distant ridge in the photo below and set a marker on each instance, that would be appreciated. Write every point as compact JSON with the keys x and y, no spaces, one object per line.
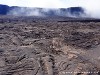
{"x":4,"y":9}
{"x":27,"y":11}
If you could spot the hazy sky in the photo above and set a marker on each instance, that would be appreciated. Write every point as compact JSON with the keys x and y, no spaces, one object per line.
{"x":51,"y":3}
{"x":92,"y":6}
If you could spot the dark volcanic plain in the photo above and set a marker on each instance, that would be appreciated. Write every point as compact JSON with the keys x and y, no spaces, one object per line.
{"x":49,"y":46}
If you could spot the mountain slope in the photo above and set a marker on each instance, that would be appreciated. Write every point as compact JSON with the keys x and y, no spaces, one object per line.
{"x":4,"y":9}
{"x":26,"y":11}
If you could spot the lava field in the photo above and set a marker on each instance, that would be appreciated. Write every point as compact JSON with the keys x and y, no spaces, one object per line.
{"x":49,"y":46}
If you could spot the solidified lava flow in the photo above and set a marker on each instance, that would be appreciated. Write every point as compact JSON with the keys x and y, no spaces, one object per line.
{"x":49,"y":46}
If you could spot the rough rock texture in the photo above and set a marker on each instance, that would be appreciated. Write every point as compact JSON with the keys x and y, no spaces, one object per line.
{"x":37,"y":46}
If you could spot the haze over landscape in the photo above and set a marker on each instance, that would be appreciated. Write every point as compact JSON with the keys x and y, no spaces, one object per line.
{"x":91,"y":7}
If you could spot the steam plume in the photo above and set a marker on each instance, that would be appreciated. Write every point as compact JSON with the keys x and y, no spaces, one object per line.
{"x":92,"y":6}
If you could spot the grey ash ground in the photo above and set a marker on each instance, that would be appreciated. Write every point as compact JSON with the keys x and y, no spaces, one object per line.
{"x":49,"y":46}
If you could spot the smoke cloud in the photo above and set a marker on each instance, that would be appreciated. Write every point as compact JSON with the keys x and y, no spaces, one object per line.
{"x":45,"y":12}
{"x":25,"y":12}
{"x":92,"y":7}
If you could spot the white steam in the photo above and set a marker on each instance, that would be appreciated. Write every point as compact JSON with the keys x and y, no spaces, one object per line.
{"x":25,"y":12}
{"x":92,"y":6}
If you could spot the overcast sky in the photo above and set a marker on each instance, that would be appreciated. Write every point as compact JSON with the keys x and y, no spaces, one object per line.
{"x":92,"y":6}
{"x":52,"y":3}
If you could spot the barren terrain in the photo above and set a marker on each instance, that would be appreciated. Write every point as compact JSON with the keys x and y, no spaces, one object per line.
{"x":49,"y":46}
